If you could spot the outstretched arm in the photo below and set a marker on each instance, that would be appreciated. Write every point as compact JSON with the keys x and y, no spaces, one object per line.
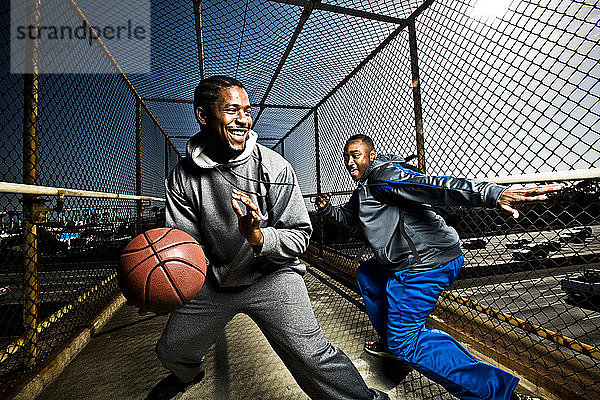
{"x":512,"y":197}
{"x":397,"y":183}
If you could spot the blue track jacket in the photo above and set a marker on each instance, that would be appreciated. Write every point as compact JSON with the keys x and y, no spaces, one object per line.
{"x":392,"y":205}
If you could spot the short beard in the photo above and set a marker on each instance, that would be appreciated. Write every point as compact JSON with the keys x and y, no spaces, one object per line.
{"x":224,"y":153}
{"x":233,"y":153}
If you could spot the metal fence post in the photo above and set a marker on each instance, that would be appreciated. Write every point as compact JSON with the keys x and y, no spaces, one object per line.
{"x":138,"y":163}
{"x":199,"y":42}
{"x":416,"y":88}
{"x":166,"y":156}
{"x":29,"y":244}
{"x":318,"y":168}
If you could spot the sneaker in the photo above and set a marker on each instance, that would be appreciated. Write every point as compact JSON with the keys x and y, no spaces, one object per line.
{"x":378,"y":349}
{"x":171,"y":388}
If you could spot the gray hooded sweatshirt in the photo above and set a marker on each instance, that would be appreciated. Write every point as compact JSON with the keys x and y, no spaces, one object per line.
{"x":198,"y":192}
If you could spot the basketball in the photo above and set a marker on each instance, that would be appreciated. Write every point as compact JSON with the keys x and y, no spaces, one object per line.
{"x":161,"y":269}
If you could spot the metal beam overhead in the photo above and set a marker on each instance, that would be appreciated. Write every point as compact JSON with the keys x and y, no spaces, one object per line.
{"x":343,"y":10}
{"x":308,"y":8}
{"x":165,"y":100}
{"x":182,"y":101}
{"x":364,"y":62}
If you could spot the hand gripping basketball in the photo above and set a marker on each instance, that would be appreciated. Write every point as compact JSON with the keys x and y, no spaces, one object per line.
{"x":161,"y":269}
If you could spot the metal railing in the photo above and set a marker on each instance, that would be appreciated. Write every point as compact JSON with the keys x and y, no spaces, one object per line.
{"x":82,"y":161}
{"x":510,"y":99}
{"x":496,"y":263}
{"x":468,"y":95}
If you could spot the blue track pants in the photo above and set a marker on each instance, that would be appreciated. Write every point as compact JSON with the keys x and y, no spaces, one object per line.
{"x":398,"y":304}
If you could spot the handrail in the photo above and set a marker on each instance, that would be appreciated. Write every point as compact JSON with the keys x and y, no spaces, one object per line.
{"x":558,"y":338}
{"x":18,"y":344}
{"x":573,"y":344}
{"x":557,"y":176}
{"x":21,"y":188}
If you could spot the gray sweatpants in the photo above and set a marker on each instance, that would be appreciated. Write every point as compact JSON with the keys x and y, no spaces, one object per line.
{"x":279,"y":305}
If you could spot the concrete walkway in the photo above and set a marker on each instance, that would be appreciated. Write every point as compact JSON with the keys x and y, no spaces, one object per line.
{"x":119,"y":362}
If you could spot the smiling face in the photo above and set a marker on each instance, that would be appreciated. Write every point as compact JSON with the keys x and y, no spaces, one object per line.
{"x":357,"y":157}
{"x":227,"y":122}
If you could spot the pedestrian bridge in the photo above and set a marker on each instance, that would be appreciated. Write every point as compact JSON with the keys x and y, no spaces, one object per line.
{"x":507,"y":94}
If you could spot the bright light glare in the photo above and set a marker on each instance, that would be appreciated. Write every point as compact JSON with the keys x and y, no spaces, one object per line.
{"x":485,"y":9}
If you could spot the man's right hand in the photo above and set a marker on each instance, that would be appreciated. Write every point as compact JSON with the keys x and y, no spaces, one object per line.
{"x":322,"y":200}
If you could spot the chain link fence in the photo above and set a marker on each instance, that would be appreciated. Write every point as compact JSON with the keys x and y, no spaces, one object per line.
{"x":447,"y":84}
{"x":73,"y":135}
{"x":496,"y":98}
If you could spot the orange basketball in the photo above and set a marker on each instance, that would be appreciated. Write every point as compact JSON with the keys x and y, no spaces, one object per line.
{"x":161,"y":269}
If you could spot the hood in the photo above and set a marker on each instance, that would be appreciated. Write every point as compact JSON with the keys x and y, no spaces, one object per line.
{"x":380,"y":160}
{"x":195,"y":151}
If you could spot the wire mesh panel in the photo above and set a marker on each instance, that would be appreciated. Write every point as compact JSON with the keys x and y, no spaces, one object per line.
{"x":525,"y":82}
{"x":153,"y":157}
{"x":522,"y":98}
{"x":327,"y":49}
{"x":58,"y":254}
{"x":373,"y":103}
{"x":276,"y":122}
{"x":502,"y":95}
{"x":302,"y":146}
{"x":239,"y":43}
{"x":173,"y":156}
{"x":81,"y":144}
{"x":176,"y":118}
{"x":175,"y":68}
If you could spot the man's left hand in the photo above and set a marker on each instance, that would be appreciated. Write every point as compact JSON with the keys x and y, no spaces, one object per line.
{"x":248,"y":223}
{"x":514,"y":197}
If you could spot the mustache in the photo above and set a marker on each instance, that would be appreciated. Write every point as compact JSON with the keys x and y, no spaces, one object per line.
{"x":246,"y":127}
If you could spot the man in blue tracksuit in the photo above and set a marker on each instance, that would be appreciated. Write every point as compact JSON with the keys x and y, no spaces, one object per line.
{"x":417,"y":256}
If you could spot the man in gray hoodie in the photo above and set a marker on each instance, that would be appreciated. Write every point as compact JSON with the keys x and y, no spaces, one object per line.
{"x":241,"y":201}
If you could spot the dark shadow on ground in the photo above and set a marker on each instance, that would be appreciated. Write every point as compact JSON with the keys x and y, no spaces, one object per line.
{"x":390,"y":372}
{"x":120,"y":327}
